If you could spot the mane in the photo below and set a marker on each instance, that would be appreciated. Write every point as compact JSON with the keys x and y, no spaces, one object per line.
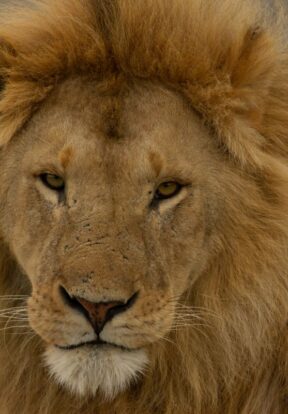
{"x":229,"y":59}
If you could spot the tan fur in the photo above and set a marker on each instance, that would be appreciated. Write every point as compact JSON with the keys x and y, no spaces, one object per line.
{"x":136,"y":92}
{"x":65,"y":157}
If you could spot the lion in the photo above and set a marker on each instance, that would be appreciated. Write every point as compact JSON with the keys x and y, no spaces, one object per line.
{"x":143,"y":207}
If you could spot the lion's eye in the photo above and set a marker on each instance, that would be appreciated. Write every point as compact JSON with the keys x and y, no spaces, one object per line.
{"x":54,"y":182}
{"x":167,"y":190}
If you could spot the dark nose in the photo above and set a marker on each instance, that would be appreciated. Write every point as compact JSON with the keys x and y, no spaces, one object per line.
{"x":98,"y":313}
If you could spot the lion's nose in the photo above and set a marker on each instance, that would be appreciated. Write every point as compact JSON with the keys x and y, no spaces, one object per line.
{"x":98,"y":313}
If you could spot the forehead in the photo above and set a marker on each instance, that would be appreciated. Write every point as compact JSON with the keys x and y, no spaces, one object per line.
{"x":115,"y":116}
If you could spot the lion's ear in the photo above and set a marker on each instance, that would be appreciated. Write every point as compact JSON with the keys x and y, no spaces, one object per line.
{"x":245,"y":96}
{"x":7,"y":128}
{"x":257,"y":83}
{"x":19,"y":93}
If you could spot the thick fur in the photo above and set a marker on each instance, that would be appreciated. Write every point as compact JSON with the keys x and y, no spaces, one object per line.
{"x":229,"y":61}
{"x":110,"y":374}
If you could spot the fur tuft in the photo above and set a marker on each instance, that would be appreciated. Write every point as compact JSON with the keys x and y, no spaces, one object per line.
{"x":228,"y":58}
{"x":109,"y":373}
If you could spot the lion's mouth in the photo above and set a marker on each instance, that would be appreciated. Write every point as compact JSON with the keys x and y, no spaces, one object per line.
{"x":95,"y":343}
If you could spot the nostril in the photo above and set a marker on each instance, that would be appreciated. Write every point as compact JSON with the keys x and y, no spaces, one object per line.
{"x":122,"y":307}
{"x":69,"y":300}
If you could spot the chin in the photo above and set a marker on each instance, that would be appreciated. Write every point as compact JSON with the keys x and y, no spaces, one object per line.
{"x":89,"y":370}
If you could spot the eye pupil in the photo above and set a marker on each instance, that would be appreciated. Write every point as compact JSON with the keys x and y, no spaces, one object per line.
{"x":53,"y":181}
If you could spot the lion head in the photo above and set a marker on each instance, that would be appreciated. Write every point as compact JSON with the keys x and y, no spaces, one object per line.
{"x":107,"y":244}
{"x":143,"y":207}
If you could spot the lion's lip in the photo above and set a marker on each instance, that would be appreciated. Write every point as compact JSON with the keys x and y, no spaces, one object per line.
{"x":97,"y":343}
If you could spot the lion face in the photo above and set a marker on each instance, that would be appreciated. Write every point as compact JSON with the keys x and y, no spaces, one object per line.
{"x":107,"y":254}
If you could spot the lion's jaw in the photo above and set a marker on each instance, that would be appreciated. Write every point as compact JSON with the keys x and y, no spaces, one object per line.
{"x":107,"y":241}
{"x":91,"y":370}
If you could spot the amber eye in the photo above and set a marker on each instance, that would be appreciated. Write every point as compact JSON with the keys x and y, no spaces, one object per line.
{"x":167,"y":190}
{"x":54,"y":182}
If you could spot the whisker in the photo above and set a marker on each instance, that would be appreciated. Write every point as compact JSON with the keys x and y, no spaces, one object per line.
{"x":13,"y":308}
{"x":170,"y":341}
{"x":183,"y":306}
{"x":21,"y":333}
{"x":195,"y":327}
{"x":10,"y":314}
{"x":13,"y":296}
{"x":188,"y":315}
{"x":14,"y":318}
{"x":6,"y":328}
{"x":191,"y":312}
{"x":200,"y":314}
{"x":20,"y":318}
{"x":189,"y":322}
{"x":187,"y":326}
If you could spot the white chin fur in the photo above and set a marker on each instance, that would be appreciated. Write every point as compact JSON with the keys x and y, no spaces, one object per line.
{"x":85,"y":371}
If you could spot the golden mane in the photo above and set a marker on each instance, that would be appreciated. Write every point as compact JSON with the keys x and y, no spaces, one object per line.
{"x":229,"y":59}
